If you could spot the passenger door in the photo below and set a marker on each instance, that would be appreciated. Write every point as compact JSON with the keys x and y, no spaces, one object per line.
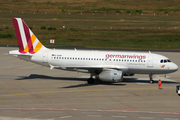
{"x":150,"y":61}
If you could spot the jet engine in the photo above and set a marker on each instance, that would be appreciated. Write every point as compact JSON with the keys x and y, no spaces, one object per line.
{"x":110,"y":75}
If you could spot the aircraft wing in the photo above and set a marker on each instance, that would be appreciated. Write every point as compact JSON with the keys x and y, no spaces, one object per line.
{"x":91,"y":68}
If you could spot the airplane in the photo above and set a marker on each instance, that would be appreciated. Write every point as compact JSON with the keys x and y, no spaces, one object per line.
{"x":108,"y":66}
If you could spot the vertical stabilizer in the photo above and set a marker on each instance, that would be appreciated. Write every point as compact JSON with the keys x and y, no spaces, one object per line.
{"x":27,"y":41}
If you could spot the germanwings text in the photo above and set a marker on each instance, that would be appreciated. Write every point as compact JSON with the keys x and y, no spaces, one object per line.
{"x":140,"y":57}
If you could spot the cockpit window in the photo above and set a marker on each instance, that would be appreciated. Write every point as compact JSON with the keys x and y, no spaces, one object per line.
{"x":168,"y":60}
{"x":164,"y":61}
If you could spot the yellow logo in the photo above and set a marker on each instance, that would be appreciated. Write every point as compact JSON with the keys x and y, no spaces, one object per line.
{"x":162,"y":66}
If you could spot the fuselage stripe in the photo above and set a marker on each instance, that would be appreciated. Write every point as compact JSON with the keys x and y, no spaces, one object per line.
{"x":18,"y":35}
{"x":38,"y":47}
{"x":33,"y":38}
{"x":28,"y":38}
{"x":22,"y":33}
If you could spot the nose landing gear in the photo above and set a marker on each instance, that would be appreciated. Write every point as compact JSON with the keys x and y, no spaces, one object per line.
{"x":151,"y":79}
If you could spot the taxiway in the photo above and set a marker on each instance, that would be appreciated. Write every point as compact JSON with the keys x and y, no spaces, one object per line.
{"x":32,"y":91}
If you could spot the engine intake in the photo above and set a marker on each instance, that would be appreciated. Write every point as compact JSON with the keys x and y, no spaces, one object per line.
{"x":110,"y":75}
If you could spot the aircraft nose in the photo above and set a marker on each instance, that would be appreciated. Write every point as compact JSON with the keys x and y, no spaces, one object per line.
{"x":174,"y":67}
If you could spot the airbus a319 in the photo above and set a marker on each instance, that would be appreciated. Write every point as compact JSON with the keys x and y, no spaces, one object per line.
{"x":103,"y":65}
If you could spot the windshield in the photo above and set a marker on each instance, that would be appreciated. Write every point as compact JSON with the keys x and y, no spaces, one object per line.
{"x":164,"y":60}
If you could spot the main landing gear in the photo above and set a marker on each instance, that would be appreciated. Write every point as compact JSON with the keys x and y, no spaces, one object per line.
{"x":91,"y":80}
{"x":150,"y":77}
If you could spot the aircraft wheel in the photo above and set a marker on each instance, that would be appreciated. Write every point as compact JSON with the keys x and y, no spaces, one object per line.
{"x":151,"y":81}
{"x":90,"y":81}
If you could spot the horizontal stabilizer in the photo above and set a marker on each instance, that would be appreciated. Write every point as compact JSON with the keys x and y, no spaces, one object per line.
{"x":16,"y":52}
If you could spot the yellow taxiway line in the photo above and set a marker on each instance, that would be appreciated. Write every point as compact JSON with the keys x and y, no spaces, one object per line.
{"x":94,"y":90}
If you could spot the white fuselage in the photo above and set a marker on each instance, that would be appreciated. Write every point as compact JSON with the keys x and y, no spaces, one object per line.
{"x":128,"y":62}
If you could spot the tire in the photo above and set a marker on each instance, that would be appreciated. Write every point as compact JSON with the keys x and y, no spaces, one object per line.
{"x":151,"y":81}
{"x":90,"y":81}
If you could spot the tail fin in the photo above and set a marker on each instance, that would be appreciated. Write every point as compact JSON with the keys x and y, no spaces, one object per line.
{"x":27,"y":41}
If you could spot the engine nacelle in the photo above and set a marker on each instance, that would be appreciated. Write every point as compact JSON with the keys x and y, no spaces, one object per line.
{"x":110,"y":75}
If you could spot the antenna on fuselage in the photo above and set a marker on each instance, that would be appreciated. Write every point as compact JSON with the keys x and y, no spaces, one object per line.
{"x":75,"y":49}
{"x":149,"y":52}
